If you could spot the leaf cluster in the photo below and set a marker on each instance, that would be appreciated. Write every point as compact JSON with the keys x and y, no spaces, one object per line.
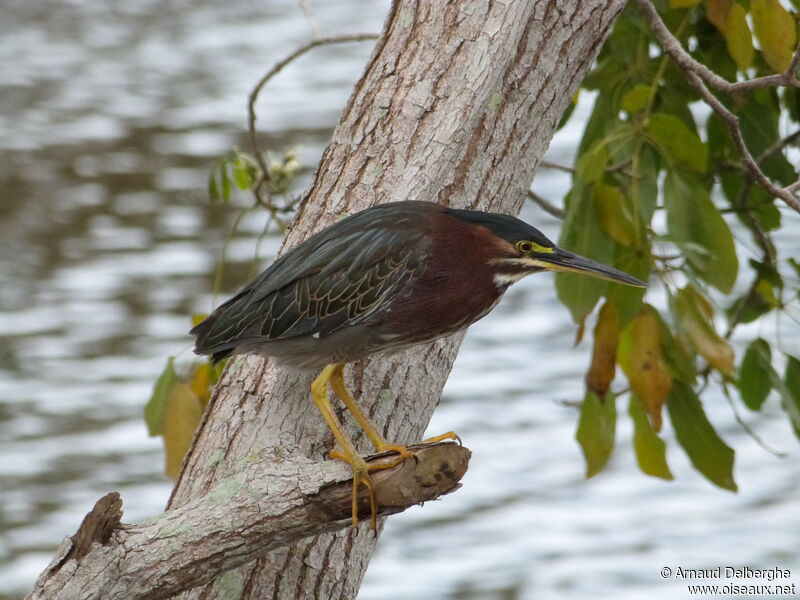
{"x":659,"y":188}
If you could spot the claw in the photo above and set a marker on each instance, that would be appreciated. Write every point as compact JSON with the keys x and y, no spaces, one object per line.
{"x":403,"y":452}
{"x":361,"y":477}
{"x":450,"y":435}
{"x":333,"y":375}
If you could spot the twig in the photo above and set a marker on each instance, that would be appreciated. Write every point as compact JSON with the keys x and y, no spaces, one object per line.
{"x":620,"y":166}
{"x":547,"y":206}
{"x":777,"y":146}
{"x":557,"y":166}
{"x":673,"y":47}
{"x":309,"y":15}
{"x":696,"y":72}
{"x":251,"y":102}
{"x":731,"y":123}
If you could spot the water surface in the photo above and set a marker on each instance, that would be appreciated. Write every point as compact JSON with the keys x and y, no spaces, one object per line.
{"x":111,"y":116}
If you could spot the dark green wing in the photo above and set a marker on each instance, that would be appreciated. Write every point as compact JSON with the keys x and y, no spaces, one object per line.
{"x":337,"y":278}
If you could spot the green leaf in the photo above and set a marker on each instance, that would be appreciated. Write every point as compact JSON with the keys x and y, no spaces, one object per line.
{"x":643,"y":186}
{"x":755,"y":382}
{"x":677,"y":360}
{"x":213,"y":189}
{"x":582,"y":233}
{"x":675,"y":141}
{"x":693,"y":218}
{"x":241,"y":176}
{"x":756,"y":302}
{"x":603,"y":112}
{"x":219,"y":184}
{"x":791,"y":398}
{"x":225,"y":181}
{"x":245,"y":170}
{"x":795,"y":265}
{"x":760,"y":120}
{"x":628,"y":299}
{"x":651,"y":451}
{"x":154,"y":409}
{"x":789,"y":390}
{"x":673,"y":4}
{"x":591,"y":166}
{"x":637,"y":98}
{"x":622,"y":142}
{"x":596,"y":429}
{"x":776,"y":30}
{"x":705,"y":449}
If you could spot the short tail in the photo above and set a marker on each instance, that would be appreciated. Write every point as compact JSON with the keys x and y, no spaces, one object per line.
{"x":201,"y":332}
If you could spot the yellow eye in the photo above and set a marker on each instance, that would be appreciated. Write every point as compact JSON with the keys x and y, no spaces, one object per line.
{"x":524,"y":246}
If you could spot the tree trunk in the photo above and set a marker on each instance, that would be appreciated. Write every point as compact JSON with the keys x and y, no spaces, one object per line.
{"x":457,"y":105}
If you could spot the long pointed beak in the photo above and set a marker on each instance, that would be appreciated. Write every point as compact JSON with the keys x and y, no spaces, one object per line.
{"x":561,"y":260}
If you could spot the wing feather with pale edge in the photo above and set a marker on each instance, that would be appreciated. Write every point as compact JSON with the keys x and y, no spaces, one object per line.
{"x":337,"y":278}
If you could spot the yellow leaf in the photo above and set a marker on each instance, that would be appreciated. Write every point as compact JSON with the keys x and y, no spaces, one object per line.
{"x":580,"y":331}
{"x":738,"y":38}
{"x":612,"y":211}
{"x":698,"y":329}
{"x":604,"y":352}
{"x":202,"y":382}
{"x":182,"y":415}
{"x":702,"y":302}
{"x":640,"y":357}
{"x":717,"y":13}
{"x":673,"y":4}
{"x":731,"y":21}
{"x":776,"y":31}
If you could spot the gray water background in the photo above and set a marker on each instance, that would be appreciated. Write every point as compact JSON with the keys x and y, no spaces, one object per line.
{"x":111,"y":115}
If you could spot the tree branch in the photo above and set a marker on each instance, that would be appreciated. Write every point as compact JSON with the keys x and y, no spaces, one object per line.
{"x":685,"y":61}
{"x":243,"y":517}
{"x":696,"y":72}
{"x":320,"y":40}
{"x":547,"y":206}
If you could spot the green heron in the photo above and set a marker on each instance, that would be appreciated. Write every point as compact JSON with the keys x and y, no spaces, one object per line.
{"x":382,"y":280}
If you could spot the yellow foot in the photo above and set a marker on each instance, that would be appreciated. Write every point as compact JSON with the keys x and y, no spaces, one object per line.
{"x":361,"y":477}
{"x":402,"y":452}
{"x":450,"y":435}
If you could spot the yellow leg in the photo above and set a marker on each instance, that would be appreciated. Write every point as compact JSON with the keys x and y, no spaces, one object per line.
{"x":348,"y":453}
{"x":381,"y":445}
{"x":334,"y":375}
{"x":366,"y":424}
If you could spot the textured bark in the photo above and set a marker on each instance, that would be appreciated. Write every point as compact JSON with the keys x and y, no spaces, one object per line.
{"x":268,"y":505}
{"x":457,"y":105}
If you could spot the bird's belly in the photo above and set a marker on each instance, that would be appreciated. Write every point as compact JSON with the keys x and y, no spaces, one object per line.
{"x":408,"y":324}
